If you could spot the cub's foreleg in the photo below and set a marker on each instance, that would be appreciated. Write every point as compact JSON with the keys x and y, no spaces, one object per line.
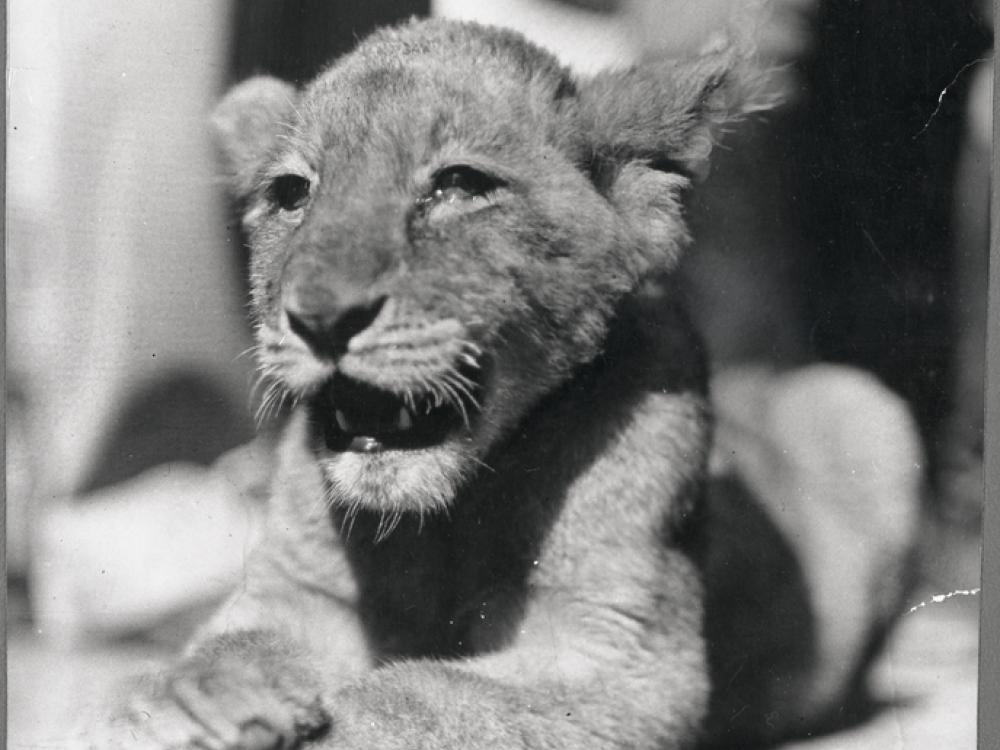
{"x":258,"y":675}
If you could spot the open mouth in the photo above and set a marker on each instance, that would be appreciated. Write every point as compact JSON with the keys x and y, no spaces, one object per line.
{"x":354,"y":416}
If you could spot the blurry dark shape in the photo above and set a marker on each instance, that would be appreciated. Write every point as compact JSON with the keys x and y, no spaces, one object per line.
{"x":758,"y":623}
{"x":179,"y":417}
{"x":875,"y":153}
{"x":600,"y":6}
{"x":743,"y":276}
{"x":293,"y":39}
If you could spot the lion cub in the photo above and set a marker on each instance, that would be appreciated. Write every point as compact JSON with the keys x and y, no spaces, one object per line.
{"x":485,"y":531}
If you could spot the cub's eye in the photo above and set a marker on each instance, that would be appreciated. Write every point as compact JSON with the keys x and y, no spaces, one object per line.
{"x":462,"y":183}
{"x":289,"y":191}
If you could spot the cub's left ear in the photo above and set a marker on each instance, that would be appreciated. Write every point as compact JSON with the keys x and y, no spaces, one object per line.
{"x":670,"y":111}
{"x":646,"y":132}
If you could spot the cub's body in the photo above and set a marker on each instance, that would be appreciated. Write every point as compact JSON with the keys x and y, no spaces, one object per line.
{"x":487,"y":528}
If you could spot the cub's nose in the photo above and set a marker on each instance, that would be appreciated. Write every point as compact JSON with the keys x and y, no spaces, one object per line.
{"x":328,"y":329}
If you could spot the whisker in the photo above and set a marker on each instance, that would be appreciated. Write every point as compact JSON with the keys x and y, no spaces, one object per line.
{"x":354,"y":511}
{"x":456,"y":400}
{"x":325,"y":501}
{"x":255,"y":387}
{"x":436,"y":391}
{"x":465,"y":386}
{"x":262,"y":404}
{"x":457,"y":376}
{"x":387,"y":523}
{"x":444,"y":509}
{"x":249,"y":350}
{"x":272,"y":402}
{"x":476,"y":459}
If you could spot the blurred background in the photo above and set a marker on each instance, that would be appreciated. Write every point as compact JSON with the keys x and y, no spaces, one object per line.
{"x":850,"y":226}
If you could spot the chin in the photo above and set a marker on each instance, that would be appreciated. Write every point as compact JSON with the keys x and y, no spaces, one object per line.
{"x":396,"y":480}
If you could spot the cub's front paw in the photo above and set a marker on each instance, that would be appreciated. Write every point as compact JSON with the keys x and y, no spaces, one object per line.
{"x":240,"y":692}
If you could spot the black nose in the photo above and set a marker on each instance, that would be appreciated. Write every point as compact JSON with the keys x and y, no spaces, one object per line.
{"x":328,"y":331}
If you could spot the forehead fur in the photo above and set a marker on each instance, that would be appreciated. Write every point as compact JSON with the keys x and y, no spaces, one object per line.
{"x":439,"y":80}
{"x":462,"y":52}
{"x":464,"y":41}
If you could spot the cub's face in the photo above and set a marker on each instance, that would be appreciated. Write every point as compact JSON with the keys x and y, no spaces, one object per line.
{"x":442,"y":225}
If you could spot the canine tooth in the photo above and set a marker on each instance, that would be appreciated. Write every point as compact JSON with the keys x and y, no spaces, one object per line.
{"x":342,"y":422}
{"x":404,"y":421}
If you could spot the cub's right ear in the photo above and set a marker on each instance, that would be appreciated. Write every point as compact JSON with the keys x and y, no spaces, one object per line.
{"x":247,"y":121}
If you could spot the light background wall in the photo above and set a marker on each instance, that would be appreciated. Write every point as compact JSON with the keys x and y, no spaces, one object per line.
{"x":117,"y":261}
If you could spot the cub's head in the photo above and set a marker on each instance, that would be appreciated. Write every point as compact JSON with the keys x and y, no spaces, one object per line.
{"x":442,"y":226}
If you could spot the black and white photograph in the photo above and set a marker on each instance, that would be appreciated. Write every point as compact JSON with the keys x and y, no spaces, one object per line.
{"x":498,"y":374}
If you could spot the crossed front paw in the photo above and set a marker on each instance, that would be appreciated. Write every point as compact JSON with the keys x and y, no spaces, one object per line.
{"x":230,"y":696}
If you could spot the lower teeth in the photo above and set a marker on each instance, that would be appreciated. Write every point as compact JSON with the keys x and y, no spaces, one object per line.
{"x":365,"y":445}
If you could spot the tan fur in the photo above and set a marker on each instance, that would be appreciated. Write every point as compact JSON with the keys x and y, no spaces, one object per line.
{"x":532,"y":579}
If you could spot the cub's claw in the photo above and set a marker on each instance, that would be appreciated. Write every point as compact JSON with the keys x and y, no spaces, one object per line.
{"x":221,"y":703}
{"x":248,"y":713}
